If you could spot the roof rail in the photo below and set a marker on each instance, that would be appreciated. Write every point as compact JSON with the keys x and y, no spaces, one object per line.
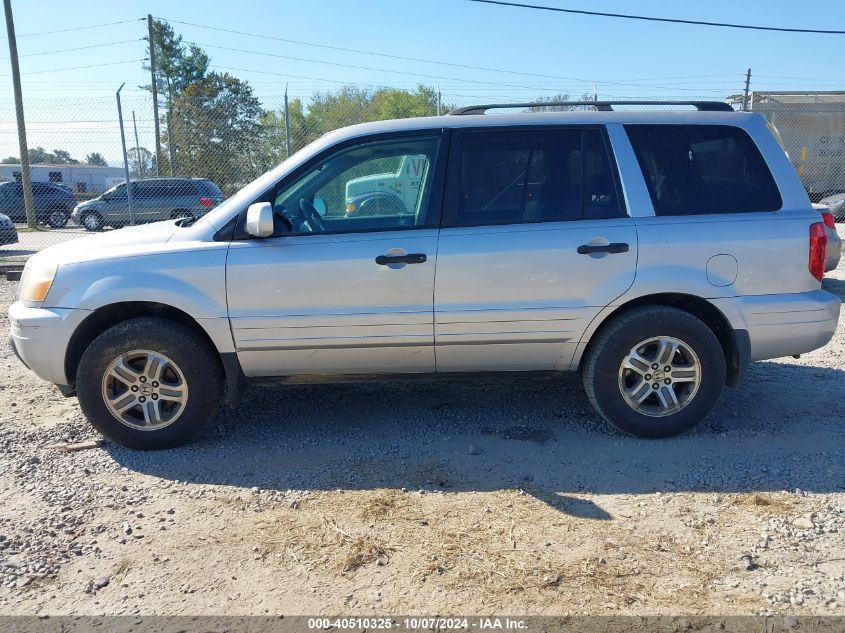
{"x":603,"y":106}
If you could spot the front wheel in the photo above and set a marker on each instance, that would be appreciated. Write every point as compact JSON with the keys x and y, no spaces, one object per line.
{"x":92,"y":221}
{"x":149,"y":383}
{"x":654,"y":371}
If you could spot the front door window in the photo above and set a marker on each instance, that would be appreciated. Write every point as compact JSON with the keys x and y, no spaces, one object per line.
{"x":373,"y":186}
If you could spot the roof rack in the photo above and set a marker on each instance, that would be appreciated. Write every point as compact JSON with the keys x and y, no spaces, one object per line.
{"x":603,"y":106}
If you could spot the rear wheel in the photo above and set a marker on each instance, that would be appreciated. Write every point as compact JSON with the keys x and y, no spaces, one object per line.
{"x":181,"y":213}
{"x":149,"y":383}
{"x":654,"y":371}
{"x":92,"y":221}
{"x":58,"y":218}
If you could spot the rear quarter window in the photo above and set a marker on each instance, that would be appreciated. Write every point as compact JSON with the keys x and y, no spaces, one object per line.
{"x":209,"y":188}
{"x":183,"y":188}
{"x":703,"y":169}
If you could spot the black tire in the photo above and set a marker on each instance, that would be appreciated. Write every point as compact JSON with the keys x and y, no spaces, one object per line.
{"x":58,"y":218}
{"x":199,"y":363}
{"x":601,"y":369}
{"x":182,"y":213}
{"x":91,"y":221}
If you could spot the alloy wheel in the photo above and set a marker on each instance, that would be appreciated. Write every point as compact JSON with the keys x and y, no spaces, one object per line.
{"x":144,"y":390}
{"x":659,"y":376}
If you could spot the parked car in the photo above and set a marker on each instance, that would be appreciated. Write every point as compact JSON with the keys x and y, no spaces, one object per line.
{"x":834,"y":242}
{"x":836,"y":204}
{"x":657,"y":253}
{"x":53,"y":202}
{"x":153,"y":200}
{"x":8,"y":232}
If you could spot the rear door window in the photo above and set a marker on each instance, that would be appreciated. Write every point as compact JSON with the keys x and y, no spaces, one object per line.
{"x":532,"y":175}
{"x":144,"y":190}
{"x":703,"y":169}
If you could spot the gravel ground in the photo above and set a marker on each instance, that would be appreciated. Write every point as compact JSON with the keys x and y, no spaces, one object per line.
{"x":482,"y":495}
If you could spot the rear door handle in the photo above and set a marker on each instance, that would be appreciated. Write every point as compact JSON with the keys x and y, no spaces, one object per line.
{"x":410,"y":258}
{"x":613,"y":247}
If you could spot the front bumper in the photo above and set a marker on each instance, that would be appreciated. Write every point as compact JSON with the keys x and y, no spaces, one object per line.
{"x":40,"y":338}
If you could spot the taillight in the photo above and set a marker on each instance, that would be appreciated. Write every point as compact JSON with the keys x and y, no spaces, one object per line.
{"x":206,"y":202}
{"x":818,"y":249}
{"x":829,"y":222}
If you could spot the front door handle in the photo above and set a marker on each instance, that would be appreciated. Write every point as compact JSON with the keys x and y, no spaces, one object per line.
{"x":410,"y":258}
{"x":613,"y":247}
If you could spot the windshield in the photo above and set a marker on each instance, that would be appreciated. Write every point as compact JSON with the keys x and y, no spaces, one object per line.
{"x":116,"y":190}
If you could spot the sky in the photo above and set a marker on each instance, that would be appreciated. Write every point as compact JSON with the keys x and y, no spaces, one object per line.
{"x":573,"y":54}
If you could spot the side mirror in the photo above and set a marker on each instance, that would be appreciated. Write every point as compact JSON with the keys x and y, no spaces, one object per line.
{"x":320,"y":206}
{"x":259,"y":219}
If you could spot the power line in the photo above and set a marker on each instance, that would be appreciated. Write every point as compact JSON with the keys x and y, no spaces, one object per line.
{"x":266,"y":72}
{"x":553,"y":88}
{"x":79,"y":28}
{"x":78,"y":48}
{"x":56,"y":70}
{"x":406,"y":58}
{"x":364,"y":52}
{"x":341,"y":65}
{"x":646,"y":18}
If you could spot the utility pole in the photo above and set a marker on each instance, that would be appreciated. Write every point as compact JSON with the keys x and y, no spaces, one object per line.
{"x":137,"y":146}
{"x":745,"y":93}
{"x":287,"y":125}
{"x":125,"y":157}
{"x":26,"y":180}
{"x":171,"y":146}
{"x":155,"y":89}
{"x":439,"y":99}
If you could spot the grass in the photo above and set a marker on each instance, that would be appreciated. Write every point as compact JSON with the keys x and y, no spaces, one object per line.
{"x":764,"y":501}
{"x":39,"y":228}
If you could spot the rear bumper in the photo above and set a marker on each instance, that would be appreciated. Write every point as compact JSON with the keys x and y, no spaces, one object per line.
{"x":8,"y":235}
{"x":834,"y":251}
{"x":40,"y":338}
{"x":784,"y":325}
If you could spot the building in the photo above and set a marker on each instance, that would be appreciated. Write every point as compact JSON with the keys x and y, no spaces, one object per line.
{"x":80,"y":178}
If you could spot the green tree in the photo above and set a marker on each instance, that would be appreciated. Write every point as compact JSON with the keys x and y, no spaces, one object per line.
{"x":96,"y":158}
{"x":216,"y":129}
{"x":141,"y":162}
{"x":177,"y":67}
{"x":40,"y":156}
{"x":63,"y":157}
{"x":391,"y":103}
{"x":272,"y":148}
{"x":559,"y":97}
{"x":351,"y":104}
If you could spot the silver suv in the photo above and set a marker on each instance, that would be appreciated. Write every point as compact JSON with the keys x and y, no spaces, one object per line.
{"x":657,"y":253}
{"x":153,"y":200}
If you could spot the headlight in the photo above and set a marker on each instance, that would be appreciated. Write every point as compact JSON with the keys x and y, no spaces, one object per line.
{"x":36,"y":280}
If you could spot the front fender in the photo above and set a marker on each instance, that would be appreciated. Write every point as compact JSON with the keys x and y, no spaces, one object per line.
{"x":193,"y":281}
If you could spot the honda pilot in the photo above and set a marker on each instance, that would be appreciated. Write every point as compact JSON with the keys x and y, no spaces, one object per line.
{"x":656,"y":253}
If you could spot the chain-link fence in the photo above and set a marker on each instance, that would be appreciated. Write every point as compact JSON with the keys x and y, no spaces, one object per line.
{"x":211,"y":144}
